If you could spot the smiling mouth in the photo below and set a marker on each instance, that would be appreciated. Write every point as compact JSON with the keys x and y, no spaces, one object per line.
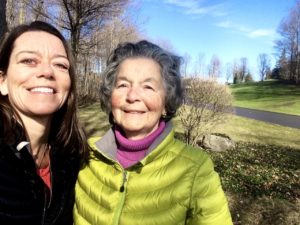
{"x":46,"y":90}
{"x":134,"y":112}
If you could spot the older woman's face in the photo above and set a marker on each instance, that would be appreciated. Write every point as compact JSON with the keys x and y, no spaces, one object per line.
{"x":37,"y":81}
{"x":138,"y":98}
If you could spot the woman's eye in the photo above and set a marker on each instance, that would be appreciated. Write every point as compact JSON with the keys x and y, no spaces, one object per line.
{"x":62,"y":66}
{"x":28,"y":61}
{"x":121,"y":85}
{"x":148,"y":87}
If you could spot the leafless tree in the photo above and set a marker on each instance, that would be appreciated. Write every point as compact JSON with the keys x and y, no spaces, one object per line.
{"x":93,"y":62}
{"x":3,"y":24}
{"x":186,"y":61}
{"x":289,"y":30}
{"x":214,"y":69}
{"x":263,"y":65}
{"x":80,"y":19}
{"x":236,"y":72}
{"x":243,"y":68}
{"x":199,"y":66}
{"x":207,"y":103}
{"x":229,"y":72}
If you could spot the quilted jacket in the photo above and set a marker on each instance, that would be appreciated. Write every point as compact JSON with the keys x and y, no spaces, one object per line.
{"x":25,"y":199}
{"x":174,"y":184}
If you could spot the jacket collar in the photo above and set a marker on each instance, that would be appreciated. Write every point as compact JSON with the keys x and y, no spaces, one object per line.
{"x":107,"y":145}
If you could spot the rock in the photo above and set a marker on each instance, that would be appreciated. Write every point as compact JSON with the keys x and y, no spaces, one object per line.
{"x":217,"y":142}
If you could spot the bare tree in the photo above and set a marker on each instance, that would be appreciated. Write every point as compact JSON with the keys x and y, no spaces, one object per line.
{"x":199,"y":65}
{"x":10,"y":15}
{"x":235,"y":72}
{"x":229,"y":72}
{"x":80,"y":18}
{"x":289,"y":30}
{"x":263,"y":65}
{"x":207,"y":103}
{"x":186,"y":61}
{"x":214,"y":69}
{"x":38,"y":11}
{"x":3,"y":24}
{"x":243,"y":68}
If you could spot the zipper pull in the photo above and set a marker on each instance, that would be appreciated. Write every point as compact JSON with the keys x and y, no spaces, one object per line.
{"x":122,"y":188}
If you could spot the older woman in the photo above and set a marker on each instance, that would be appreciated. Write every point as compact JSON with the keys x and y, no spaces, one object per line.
{"x":139,"y":173}
{"x":41,"y":144}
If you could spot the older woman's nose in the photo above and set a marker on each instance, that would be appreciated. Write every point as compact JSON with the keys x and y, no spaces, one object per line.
{"x":46,"y":71}
{"x":133,"y":94}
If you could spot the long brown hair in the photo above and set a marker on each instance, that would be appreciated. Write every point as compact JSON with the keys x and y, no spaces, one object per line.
{"x":65,"y":130}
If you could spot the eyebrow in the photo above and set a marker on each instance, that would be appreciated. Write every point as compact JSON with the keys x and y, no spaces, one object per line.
{"x":125,"y":79}
{"x":37,"y":53}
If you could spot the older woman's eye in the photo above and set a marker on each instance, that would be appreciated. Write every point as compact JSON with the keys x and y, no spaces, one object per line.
{"x":121,"y":85}
{"x":148,"y":87}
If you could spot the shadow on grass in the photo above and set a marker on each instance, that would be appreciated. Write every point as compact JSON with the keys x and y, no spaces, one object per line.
{"x":246,"y":210}
{"x":262,"y":182}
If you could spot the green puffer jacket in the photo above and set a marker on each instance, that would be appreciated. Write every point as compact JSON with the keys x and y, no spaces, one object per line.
{"x":174,"y":184}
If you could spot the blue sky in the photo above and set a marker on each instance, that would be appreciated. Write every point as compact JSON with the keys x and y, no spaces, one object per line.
{"x":229,"y":29}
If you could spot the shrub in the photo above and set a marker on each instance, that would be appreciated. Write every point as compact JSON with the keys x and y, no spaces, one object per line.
{"x":207,"y":103}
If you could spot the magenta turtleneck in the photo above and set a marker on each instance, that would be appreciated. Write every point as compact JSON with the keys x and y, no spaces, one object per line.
{"x":130,"y":152}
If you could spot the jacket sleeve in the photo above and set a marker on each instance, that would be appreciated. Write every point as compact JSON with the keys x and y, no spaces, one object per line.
{"x":208,"y":202}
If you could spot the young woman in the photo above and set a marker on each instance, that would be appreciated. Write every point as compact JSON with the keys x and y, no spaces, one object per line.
{"x":41,"y":143}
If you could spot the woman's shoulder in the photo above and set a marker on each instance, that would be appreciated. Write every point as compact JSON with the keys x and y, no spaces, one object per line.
{"x":192,"y":154}
{"x":92,"y":141}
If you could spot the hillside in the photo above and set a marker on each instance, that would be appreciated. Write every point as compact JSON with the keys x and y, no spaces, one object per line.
{"x":270,"y":95}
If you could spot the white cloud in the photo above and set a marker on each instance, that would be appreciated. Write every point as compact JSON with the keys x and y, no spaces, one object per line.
{"x":252,"y":33}
{"x":194,"y":7}
{"x":262,"y":33}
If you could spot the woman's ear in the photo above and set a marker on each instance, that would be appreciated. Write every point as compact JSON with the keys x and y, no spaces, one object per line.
{"x":3,"y":84}
{"x":164,"y":113}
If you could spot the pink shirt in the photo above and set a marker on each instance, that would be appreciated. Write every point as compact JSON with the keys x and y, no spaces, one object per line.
{"x":130,"y":152}
{"x":45,"y":175}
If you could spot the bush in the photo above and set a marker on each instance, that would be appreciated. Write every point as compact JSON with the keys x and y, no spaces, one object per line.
{"x":207,"y":103}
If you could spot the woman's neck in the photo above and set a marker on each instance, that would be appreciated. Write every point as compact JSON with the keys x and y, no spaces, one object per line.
{"x":37,"y":130}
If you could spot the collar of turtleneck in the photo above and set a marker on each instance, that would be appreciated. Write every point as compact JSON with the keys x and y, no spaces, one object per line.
{"x":130,"y":152}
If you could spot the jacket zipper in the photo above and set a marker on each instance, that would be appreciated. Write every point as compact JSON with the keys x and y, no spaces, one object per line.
{"x":122,"y":198}
{"x":45,"y":205}
{"x":45,"y":196}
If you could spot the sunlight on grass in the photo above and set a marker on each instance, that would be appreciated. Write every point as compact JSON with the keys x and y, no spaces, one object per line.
{"x":250,"y":130}
{"x":269,"y":96}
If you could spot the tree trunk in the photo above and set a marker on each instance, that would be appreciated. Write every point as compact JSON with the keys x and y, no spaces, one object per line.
{"x":3,"y":24}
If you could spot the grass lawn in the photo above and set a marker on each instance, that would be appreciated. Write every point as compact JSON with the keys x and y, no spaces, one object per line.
{"x":268,"y":95}
{"x":250,"y":130}
{"x":261,"y":175}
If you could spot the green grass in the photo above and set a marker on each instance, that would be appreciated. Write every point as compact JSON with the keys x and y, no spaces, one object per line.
{"x":262,"y":183}
{"x":270,"y":95}
{"x":250,"y":130}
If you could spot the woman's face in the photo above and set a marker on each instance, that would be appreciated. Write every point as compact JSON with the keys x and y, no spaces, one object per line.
{"x":138,"y":98}
{"x":37,"y":81}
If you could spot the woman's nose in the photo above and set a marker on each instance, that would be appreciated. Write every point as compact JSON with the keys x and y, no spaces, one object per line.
{"x":133,"y":94}
{"x":46,"y":71}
